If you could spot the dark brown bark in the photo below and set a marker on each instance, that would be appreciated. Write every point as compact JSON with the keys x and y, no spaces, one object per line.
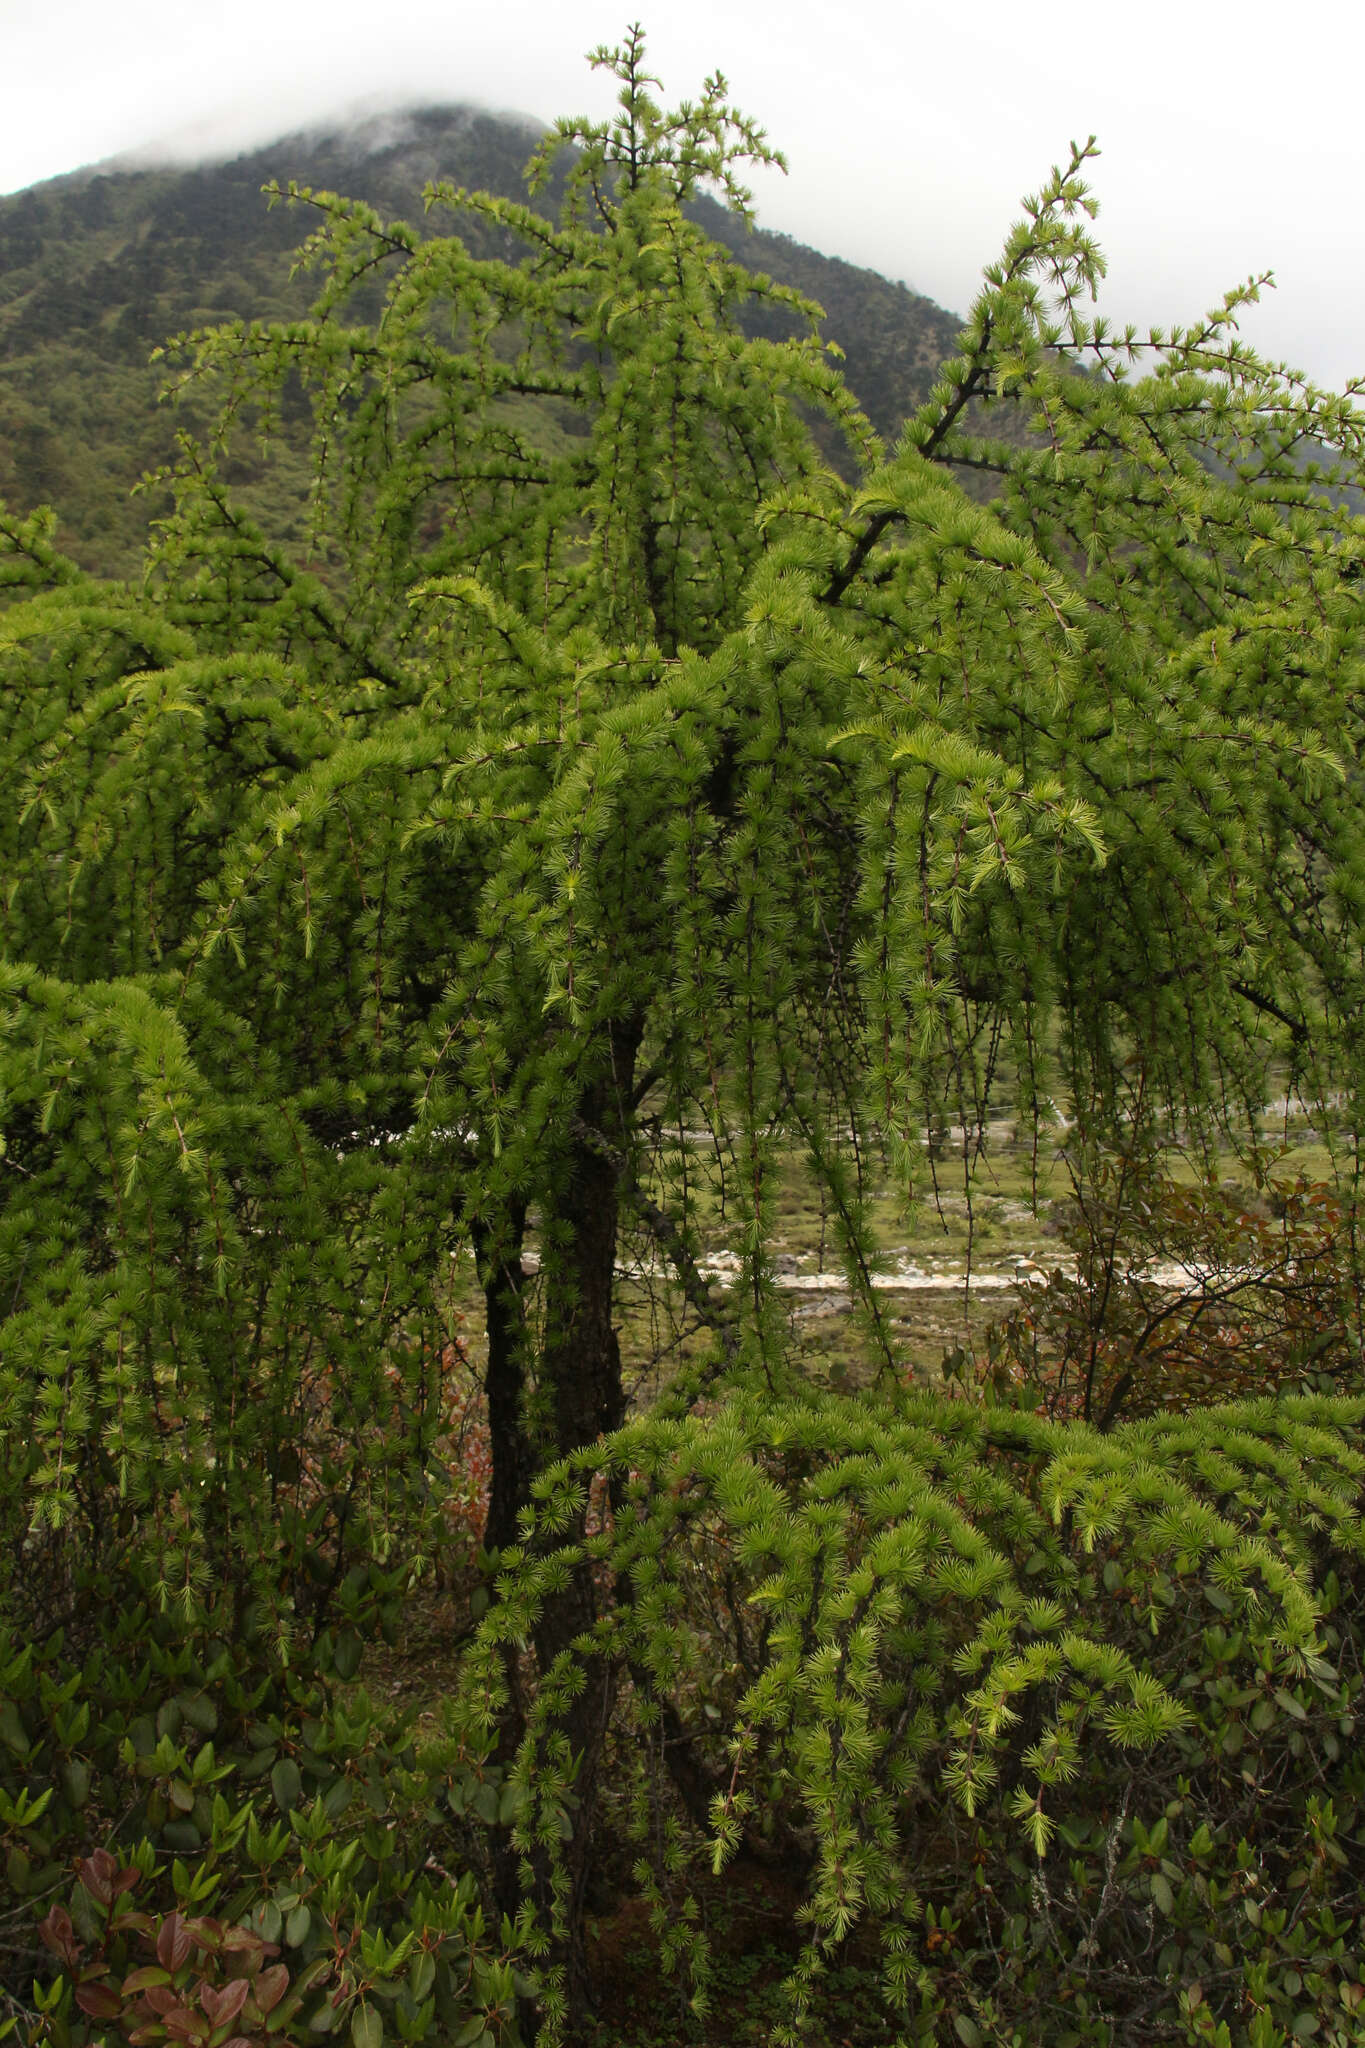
{"x":503,"y":1278}
{"x":580,"y":1353}
{"x":497,"y":1249}
{"x":580,"y":1368}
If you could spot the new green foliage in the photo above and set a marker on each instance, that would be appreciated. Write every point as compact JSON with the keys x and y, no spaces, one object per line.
{"x":98,"y":268}
{"x":605,"y":798}
{"x":613,"y":769}
{"x":951,"y":1665}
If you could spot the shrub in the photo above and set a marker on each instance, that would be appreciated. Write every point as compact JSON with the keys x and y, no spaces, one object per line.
{"x":245,"y":1818}
{"x":1184,"y":1291}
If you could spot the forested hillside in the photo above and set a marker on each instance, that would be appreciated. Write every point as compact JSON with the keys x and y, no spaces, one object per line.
{"x":97,"y":269}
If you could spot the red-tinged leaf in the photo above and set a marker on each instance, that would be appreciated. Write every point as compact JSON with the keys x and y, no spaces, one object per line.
{"x":96,"y":1874}
{"x":58,"y":1934}
{"x":242,"y":1941}
{"x":224,"y":2005}
{"x":208,"y":1933}
{"x":162,"y":1998}
{"x":271,"y":1986}
{"x":173,"y":1943}
{"x":101,"y":2001}
{"x":182,"y":2023}
{"x":239,"y":2041}
{"x":144,"y":1979}
{"x":126,"y":1879}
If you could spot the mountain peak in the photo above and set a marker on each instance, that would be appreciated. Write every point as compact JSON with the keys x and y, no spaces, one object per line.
{"x":359,"y":129}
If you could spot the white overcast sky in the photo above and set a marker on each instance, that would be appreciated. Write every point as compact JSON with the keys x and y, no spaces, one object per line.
{"x":1233,"y":137}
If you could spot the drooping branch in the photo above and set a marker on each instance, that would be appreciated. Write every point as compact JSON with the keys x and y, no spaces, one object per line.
{"x":673,"y":1244}
{"x":699,"y":1297}
{"x":1295,"y":1026}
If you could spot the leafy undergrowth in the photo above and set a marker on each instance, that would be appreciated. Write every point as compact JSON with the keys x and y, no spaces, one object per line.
{"x":751,"y":1917}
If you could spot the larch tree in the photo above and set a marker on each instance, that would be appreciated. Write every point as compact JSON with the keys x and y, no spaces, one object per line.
{"x":602,"y":766}
{"x":632,"y":751}
{"x":455,"y":785}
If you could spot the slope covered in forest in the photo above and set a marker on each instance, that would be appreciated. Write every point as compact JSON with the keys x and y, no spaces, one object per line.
{"x":99,"y":267}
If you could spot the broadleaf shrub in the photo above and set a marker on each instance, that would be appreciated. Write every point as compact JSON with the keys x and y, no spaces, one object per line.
{"x":1184,"y":1290}
{"x":276,"y":1818}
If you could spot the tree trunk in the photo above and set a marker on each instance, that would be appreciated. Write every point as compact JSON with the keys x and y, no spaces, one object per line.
{"x":511,"y":1455}
{"x":580,"y":1367}
{"x":497,"y":1249}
